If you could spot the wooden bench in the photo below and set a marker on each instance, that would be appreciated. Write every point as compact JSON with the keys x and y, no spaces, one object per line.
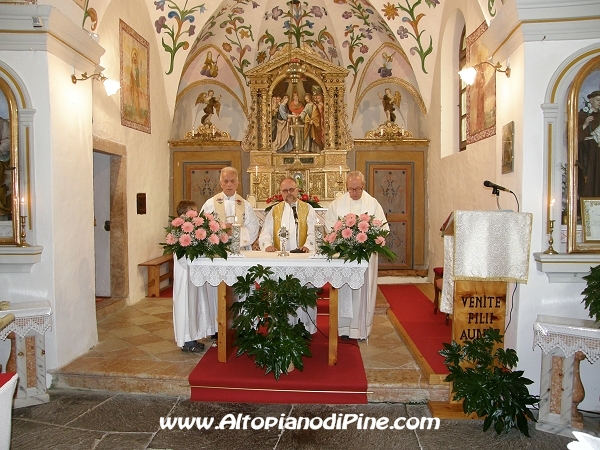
{"x":154,"y":276}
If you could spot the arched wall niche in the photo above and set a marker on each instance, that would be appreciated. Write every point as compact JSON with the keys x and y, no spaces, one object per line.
{"x":16,"y":150}
{"x":560,"y":148}
{"x":449,"y":84}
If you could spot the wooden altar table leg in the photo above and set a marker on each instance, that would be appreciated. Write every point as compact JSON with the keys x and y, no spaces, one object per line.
{"x":333,"y":325}
{"x":225,"y":322}
{"x":578,"y":392}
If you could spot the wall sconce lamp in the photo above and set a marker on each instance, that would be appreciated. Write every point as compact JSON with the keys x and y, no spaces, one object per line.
{"x":111,"y":86}
{"x":468,"y":74}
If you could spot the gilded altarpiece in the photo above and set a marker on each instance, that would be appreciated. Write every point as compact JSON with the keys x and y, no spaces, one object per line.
{"x":297,"y":125}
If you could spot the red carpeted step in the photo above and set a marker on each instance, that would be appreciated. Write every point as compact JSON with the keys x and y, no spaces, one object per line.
{"x":239,"y":380}
{"x":427,"y":331}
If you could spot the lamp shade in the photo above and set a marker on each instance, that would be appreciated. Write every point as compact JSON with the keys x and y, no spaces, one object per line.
{"x":468,"y":75}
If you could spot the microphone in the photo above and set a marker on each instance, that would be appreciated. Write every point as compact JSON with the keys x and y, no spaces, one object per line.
{"x":488,"y":183}
{"x":295,"y":213}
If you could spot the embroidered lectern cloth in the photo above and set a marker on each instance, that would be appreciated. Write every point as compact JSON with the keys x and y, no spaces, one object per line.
{"x":492,"y":245}
{"x":486,"y":246}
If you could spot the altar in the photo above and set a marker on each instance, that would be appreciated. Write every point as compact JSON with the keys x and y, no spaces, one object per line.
{"x":345,"y":278}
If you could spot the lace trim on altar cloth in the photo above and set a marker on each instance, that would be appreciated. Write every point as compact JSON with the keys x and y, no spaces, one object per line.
{"x":317,"y":276}
{"x":23,"y":325}
{"x":568,"y":343}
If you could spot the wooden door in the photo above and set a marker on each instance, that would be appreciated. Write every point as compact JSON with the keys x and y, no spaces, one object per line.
{"x":392,"y":184}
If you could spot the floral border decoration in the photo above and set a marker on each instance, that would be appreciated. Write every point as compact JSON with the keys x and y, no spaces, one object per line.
{"x":176,"y":31}
{"x":391,"y":12}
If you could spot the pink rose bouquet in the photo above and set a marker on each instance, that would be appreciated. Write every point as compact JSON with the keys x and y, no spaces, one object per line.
{"x":196,"y":234}
{"x":356,"y":238}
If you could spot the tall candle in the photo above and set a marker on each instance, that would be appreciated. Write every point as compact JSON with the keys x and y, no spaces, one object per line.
{"x":551,"y":207}
{"x":340,"y":170}
{"x":256,"y":170}
{"x":23,"y":209}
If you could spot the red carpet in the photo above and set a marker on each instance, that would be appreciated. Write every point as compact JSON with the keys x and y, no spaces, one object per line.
{"x":239,"y":380}
{"x":166,"y":292}
{"x":427,"y":331}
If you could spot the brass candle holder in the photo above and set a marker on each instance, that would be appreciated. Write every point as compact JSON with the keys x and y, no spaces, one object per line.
{"x":550,"y":250}
{"x":23,"y":242}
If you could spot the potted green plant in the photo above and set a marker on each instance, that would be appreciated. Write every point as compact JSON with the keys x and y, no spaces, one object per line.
{"x":485,"y":382}
{"x":591,"y":293}
{"x":261,"y":321}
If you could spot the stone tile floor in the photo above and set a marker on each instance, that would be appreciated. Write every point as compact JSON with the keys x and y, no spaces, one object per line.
{"x":113,"y":398}
{"x":75,"y":419}
{"x":136,"y":352}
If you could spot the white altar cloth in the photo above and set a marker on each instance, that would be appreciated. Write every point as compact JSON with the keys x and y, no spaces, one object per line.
{"x":348,"y":277}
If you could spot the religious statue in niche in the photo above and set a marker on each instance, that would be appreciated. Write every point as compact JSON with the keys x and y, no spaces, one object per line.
{"x":389,"y":101}
{"x":213,"y":105}
{"x":389,"y":129}
{"x":297,"y":125}
{"x":283,"y":138}
{"x":206,"y":130}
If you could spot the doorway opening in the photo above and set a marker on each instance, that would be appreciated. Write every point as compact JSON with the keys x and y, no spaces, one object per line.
{"x":110,"y":236}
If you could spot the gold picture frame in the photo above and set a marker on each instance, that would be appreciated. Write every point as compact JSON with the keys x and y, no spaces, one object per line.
{"x":10,"y":206}
{"x":590,"y":219}
{"x":582,"y":173}
{"x":135,"y":79}
{"x":508,"y":147}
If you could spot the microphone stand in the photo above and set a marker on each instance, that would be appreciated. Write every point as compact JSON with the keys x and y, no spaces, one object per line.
{"x":496,"y":192}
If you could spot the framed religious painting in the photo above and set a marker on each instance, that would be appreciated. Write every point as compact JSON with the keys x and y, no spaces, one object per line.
{"x":481,"y":95}
{"x":583,"y":187}
{"x":11,"y":208}
{"x":590,"y":219}
{"x":135,"y":79}
{"x":508,"y":147}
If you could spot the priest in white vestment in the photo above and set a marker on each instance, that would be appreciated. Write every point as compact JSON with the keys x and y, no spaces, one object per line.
{"x":197,"y":318}
{"x":299,"y":219}
{"x":358,"y":322}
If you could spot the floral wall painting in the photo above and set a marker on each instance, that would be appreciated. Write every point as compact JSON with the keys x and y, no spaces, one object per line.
{"x":135,"y":79}
{"x":411,"y":15}
{"x":481,"y":96}
{"x":175,"y":27}
{"x":508,"y":147}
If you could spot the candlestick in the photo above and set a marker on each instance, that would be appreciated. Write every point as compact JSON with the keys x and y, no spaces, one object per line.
{"x":551,"y":250}
{"x":22,"y":242}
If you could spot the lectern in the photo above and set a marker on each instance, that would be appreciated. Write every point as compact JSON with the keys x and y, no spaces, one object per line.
{"x":483,"y":250}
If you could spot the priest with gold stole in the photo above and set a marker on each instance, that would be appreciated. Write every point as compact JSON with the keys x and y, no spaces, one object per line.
{"x":299,"y":219}
{"x":358,"y":322}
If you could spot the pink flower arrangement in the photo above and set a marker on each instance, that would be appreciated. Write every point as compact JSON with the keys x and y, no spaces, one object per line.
{"x":196,"y":234}
{"x":356,"y":238}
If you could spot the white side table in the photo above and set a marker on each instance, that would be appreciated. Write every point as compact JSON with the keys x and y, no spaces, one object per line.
{"x":28,"y":352}
{"x":565,"y":342}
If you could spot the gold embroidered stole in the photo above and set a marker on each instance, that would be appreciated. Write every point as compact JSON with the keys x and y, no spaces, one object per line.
{"x":302,"y":222}
{"x":219,"y":205}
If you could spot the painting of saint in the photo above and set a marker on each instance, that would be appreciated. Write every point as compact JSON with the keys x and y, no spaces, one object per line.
{"x":284,"y":141}
{"x":135,"y":79}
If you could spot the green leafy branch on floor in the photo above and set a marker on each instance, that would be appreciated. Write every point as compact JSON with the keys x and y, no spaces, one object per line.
{"x":484,"y":381}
